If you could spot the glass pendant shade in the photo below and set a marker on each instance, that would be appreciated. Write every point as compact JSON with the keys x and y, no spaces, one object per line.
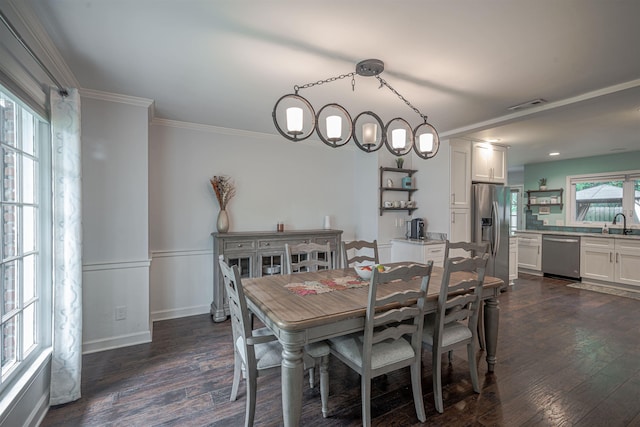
{"x":426,"y":143}
{"x":294,"y":120}
{"x":398,"y":139}
{"x":334,"y":128}
{"x":369,"y":133}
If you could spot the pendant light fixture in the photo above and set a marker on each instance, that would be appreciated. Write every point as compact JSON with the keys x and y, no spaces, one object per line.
{"x":296,"y":120}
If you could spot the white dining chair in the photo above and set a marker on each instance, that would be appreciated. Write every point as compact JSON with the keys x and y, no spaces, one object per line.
{"x":361,"y":250}
{"x":454,"y":324}
{"x":258,"y":350}
{"x":392,"y":336}
{"x":307,"y":257}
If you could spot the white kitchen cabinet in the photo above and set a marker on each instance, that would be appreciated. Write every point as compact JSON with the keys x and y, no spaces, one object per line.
{"x":610,"y":260}
{"x":513,"y":258}
{"x":416,"y":251}
{"x":530,"y":252}
{"x":460,"y":174}
{"x":488,"y":163}
{"x":460,"y":227}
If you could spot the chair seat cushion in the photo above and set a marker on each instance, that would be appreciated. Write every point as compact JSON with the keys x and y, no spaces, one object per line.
{"x":383,"y":353}
{"x":453,"y":332}
{"x":268,"y":355}
{"x":317,"y":349}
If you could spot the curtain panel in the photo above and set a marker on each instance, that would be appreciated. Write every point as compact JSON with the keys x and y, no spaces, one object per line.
{"x":66,"y":366}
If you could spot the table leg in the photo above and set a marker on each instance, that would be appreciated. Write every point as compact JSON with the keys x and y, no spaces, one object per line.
{"x":491,"y":317}
{"x":292,"y":376}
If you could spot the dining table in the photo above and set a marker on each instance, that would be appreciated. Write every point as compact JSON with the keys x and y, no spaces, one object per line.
{"x":308,"y":307}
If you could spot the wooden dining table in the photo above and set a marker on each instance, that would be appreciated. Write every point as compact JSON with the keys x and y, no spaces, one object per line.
{"x":308,"y":307}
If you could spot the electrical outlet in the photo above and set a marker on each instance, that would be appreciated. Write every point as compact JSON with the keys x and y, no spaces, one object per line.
{"x":545,"y":222}
{"x":121,"y":312}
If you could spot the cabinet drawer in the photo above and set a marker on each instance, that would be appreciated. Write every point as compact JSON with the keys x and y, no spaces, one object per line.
{"x":239,"y":245}
{"x":324,"y":240}
{"x":436,"y":251}
{"x":271,"y":244}
{"x":598,"y":242}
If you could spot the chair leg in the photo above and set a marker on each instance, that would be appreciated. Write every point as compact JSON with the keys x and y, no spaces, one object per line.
{"x":473,"y":366}
{"x":480,"y":328}
{"x":312,"y":377}
{"x":237,"y":371}
{"x":324,"y":385}
{"x":437,"y":381}
{"x":250,"y":412}
{"x":450,"y":356}
{"x":416,"y":385}
{"x":365,"y":388}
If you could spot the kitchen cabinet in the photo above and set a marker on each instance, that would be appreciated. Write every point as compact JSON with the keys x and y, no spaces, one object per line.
{"x":610,"y":260}
{"x":488,"y":163}
{"x":418,"y":251}
{"x":460,"y":227}
{"x":513,"y":259}
{"x":530,"y":253}
{"x":460,"y":174}
{"x":259,"y":254}
{"x":402,"y":182}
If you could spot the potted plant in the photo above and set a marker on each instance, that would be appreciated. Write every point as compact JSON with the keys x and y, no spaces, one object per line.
{"x":543,"y":183}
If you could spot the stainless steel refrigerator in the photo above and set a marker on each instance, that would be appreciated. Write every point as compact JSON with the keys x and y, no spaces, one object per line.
{"x":490,"y":213}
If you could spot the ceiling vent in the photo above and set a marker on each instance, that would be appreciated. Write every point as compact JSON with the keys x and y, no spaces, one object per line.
{"x":528,"y":104}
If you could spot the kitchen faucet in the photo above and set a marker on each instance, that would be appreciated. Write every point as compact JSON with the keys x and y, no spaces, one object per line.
{"x":625,"y":230}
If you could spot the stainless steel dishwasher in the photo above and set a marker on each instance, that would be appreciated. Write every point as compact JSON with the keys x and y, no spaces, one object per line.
{"x":561,"y":255}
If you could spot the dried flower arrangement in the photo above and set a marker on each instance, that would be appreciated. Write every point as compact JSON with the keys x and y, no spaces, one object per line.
{"x":224,"y":189}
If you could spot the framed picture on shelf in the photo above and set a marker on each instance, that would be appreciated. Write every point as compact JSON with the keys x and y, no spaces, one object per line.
{"x":544,"y":210}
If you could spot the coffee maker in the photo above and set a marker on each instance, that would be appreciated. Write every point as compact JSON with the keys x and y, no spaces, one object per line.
{"x":417,"y":229}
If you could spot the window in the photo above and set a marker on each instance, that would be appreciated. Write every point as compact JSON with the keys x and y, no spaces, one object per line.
{"x":597,"y":199}
{"x":516,"y":216}
{"x":25,"y":204}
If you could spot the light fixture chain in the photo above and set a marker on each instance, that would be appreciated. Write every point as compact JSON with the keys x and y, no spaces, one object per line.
{"x":329,"y":80}
{"x":383,"y":82}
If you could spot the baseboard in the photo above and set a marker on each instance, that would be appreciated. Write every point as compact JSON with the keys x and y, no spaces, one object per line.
{"x":527,"y":271}
{"x":180,"y":312}
{"x":116,"y":342}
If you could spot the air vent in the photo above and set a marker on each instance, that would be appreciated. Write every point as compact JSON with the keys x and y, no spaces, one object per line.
{"x":528,"y":104}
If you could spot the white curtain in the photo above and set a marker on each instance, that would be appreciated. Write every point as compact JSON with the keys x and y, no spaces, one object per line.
{"x":66,"y":364}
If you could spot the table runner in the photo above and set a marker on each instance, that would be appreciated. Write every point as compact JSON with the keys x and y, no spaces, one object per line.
{"x":314,"y":287}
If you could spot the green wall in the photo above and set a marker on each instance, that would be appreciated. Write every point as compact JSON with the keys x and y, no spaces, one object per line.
{"x":557,"y":171}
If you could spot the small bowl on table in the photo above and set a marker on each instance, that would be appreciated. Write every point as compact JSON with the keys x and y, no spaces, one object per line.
{"x":366,"y":271}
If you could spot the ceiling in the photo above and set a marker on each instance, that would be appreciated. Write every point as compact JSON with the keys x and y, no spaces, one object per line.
{"x":462,"y":63}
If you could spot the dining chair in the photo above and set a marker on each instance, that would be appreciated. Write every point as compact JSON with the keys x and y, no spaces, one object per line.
{"x":362,"y":251}
{"x":455,"y":322}
{"x":307,"y":257}
{"x":257,"y":351}
{"x":471,"y":249}
{"x":392,"y":336}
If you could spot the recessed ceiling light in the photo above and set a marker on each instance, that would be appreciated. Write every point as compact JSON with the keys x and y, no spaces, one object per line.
{"x":554,"y":153}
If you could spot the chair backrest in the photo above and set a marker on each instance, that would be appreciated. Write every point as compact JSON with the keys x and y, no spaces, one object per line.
{"x":363,"y":251}
{"x":472,"y":249}
{"x":307,"y":257}
{"x":238,"y":311}
{"x":459,"y":300}
{"x":405,"y":318}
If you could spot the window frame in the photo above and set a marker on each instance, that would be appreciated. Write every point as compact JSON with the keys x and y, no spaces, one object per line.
{"x":628,"y":196}
{"x":43,"y":274}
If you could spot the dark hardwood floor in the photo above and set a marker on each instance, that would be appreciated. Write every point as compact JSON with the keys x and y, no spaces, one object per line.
{"x":565,"y":357}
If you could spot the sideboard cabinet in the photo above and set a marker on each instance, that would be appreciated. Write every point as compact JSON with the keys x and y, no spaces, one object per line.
{"x":261,"y":253}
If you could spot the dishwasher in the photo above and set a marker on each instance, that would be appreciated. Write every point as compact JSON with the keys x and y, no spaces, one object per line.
{"x":561,"y":255}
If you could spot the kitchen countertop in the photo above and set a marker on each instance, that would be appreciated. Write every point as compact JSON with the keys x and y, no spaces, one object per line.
{"x":420,"y":241}
{"x":574,"y":233}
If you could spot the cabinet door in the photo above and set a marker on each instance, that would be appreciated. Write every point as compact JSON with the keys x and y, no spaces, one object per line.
{"x":529,"y":255}
{"x":513,"y":258}
{"x":460,"y":174}
{"x":460,"y":229}
{"x":406,"y":252}
{"x":596,"y":258}
{"x":627,"y":262}
{"x":480,"y":165}
{"x":498,"y":165}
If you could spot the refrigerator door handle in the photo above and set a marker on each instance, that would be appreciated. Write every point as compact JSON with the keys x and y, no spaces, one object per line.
{"x":495,"y":245}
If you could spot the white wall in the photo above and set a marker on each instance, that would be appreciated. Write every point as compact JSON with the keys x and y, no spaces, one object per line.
{"x":115,"y":221}
{"x":276,"y":180}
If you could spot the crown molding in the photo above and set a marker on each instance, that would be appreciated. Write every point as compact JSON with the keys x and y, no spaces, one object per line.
{"x":116,"y":97}
{"x":41,"y":43}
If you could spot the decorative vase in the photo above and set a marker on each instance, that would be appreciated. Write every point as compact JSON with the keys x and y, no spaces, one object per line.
{"x":543,"y":187}
{"x":223,"y":221}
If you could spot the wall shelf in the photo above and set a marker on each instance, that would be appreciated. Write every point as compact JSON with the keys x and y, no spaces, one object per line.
{"x":400,"y":173}
{"x":548,"y":194}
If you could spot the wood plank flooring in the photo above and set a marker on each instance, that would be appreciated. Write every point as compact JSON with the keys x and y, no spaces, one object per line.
{"x":565,"y":357}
